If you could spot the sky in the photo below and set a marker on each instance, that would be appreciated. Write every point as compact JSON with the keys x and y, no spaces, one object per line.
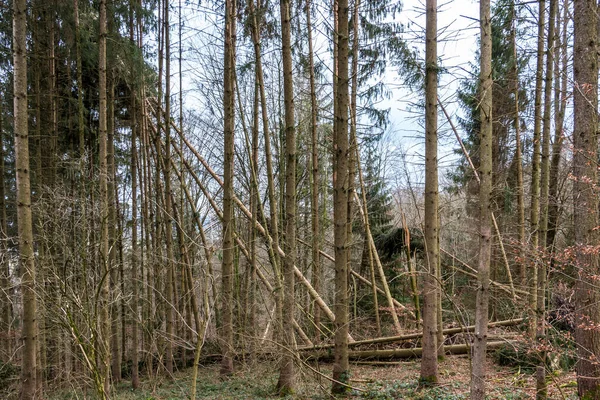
{"x":458,"y":31}
{"x":457,"y":42}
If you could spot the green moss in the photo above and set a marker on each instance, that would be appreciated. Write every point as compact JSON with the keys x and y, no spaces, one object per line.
{"x":428,"y":381}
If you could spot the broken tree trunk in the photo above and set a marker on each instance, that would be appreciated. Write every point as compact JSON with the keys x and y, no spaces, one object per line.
{"x":416,"y":335}
{"x":401,"y":353}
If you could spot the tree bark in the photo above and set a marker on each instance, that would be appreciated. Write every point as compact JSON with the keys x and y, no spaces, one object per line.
{"x":168,"y":220}
{"x":340,"y":201}
{"x":542,"y":390}
{"x":5,"y":299}
{"x":227,"y":272}
{"x":478,"y":371}
{"x":429,"y":364}
{"x":314,"y":195}
{"x":535,"y":164}
{"x":24,"y":218}
{"x":285,"y":385}
{"x":585,"y":198}
{"x":103,"y":344}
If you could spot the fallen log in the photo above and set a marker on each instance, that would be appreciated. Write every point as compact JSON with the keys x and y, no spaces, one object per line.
{"x":399,"y":353}
{"x":416,"y":335}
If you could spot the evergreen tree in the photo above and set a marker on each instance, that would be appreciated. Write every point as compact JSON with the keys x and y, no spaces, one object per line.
{"x":504,"y":171}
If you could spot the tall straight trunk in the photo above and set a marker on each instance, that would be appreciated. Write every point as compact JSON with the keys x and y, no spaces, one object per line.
{"x":254,"y":206}
{"x":103,"y":344}
{"x":518,"y":149}
{"x":352,"y":145}
{"x":286,"y":377}
{"x":535,"y":163}
{"x":80,"y":118}
{"x":226,"y":334}
{"x":24,"y":219}
{"x":542,"y":391}
{"x":112,"y":236}
{"x":429,"y":364}
{"x":314,"y":195}
{"x":168,"y":221}
{"x":585,"y":196}
{"x":340,"y":201}
{"x":135,"y":380}
{"x":478,"y":370}
{"x":560,"y":93}
{"x":5,"y":300}
{"x":546,"y":124}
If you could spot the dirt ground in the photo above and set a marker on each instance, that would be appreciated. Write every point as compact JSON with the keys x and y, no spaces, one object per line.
{"x":384,"y":380}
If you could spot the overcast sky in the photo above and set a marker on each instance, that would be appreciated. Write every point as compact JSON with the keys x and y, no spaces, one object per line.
{"x":458,"y":32}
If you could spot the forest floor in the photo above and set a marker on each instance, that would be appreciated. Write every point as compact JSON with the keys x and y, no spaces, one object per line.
{"x":398,"y":380}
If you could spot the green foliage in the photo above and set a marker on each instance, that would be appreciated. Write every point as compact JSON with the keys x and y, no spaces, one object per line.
{"x":523,"y":356}
{"x":412,"y":390}
{"x":9,"y":374}
{"x":503,"y":61}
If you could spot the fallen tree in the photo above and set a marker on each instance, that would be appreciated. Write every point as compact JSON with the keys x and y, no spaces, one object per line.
{"x":416,"y":335}
{"x":323,"y":355}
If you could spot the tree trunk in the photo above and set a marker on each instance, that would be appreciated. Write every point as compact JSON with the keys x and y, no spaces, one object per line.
{"x":560,"y":95}
{"x":585,"y":197}
{"x":518,"y":151}
{"x":314,"y":195}
{"x":340,"y":201}
{"x":5,"y":299}
{"x":535,"y":165}
{"x":168,"y":220}
{"x":135,"y":380}
{"x":103,"y":344}
{"x":285,"y":385}
{"x":227,"y":272}
{"x":429,"y":364}
{"x":478,"y":372}
{"x":24,"y":221}
{"x":542,"y":390}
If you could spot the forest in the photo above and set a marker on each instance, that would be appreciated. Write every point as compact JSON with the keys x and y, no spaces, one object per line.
{"x":302,"y":199}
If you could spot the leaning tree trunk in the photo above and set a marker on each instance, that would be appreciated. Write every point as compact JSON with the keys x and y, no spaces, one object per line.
{"x":485,"y":211}
{"x":585,"y":197}
{"x":24,"y":221}
{"x":429,"y":364}
{"x":340,"y":201}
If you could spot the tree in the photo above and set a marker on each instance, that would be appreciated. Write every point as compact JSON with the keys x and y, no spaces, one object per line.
{"x":340,"y":201}
{"x":478,"y":372}
{"x":286,"y":377}
{"x":103,"y":341}
{"x":429,"y":367}
{"x":24,"y":217}
{"x":585,"y":198}
{"x":228,"y":131}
